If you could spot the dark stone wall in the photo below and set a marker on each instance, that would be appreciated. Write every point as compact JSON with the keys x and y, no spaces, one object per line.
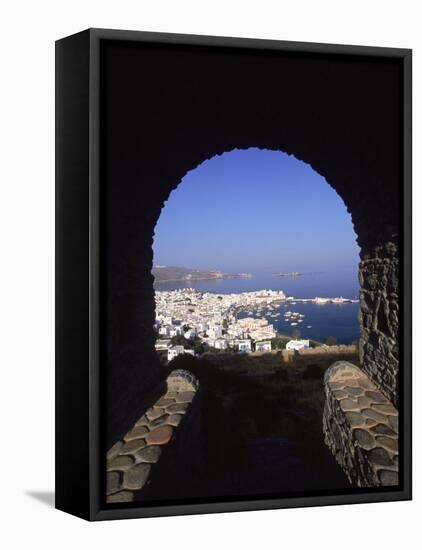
{"x":165,"y":110}
{"x":379,"y":318}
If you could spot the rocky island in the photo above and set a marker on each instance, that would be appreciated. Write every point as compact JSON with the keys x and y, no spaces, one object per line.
{"x":287,"y":274}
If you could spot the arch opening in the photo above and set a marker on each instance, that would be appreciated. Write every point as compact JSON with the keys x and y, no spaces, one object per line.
{"x":256,"y":287}
{"x":244,"y":220}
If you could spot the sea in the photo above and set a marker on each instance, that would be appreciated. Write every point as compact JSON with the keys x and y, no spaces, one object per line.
{"x":320,"y":321}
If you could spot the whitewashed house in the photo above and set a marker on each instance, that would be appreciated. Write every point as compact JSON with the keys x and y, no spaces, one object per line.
{"x":202,"y":327}
{"x":164,"y":330}
{"x":168,"y":320}
{"x":221,"y":343}
{"x":162,"y":345}
{"x":297,"y":344}
{"x":215,"y":331}
{"x":244,"y":346}
{"x":190,"y":334}
{"x":175,"y":331}
{"x":263,"y":346}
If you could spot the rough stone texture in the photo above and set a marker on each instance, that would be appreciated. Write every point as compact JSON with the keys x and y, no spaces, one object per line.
{"x":185,"y":397}
{"x":379,"y":318}
{"x":149,"y":454}
{"x":155,"y":412}
{"x":136,"y":477}
{"x":359,"y":432}
{"x":340,"y":349}
{"x":121,"y":462}
{"x":181,"y":381}
{"x":115,"y":450}
{"x":177,"y":408}
{"x":130,"y":462}
{"x":113,"y":482}
{"x":136,"y":433}
{"x":133,"y":446}
{"x":159,"y":421}
{"x":122,"y":496}
{"x":164,"y":401}
{"x":174,"y":419}
{"x":160,"y":436}
{"x":143,"y":421}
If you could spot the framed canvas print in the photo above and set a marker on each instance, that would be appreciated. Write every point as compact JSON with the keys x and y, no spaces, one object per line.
{"x":233,"y":324}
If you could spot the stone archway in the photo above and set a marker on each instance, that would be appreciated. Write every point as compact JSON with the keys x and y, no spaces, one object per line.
{"x":347,"y":129}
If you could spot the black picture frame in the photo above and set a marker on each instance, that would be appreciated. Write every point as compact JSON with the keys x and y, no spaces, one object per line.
{"x":79,"y":446}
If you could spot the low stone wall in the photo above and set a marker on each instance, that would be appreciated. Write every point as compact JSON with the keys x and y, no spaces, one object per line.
{"x":289,"y":354}
{"x":360,"y":427}
{"x":132,"y":460}
{"x":330,"y":350}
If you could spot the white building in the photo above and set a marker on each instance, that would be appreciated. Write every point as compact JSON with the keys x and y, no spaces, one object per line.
{"x":175,"y":331}
{"x":245,"y":346}
{"x":220,"y":344}
{"x":168,"y":320}
{"x":263,"y":346}
{"x":164,"y":331}
{"x":235,"y":331}
{"x":161,"y":345}
{"x":190,"y":334}
{"x":215,"y":331}
{"x":174,"y":351}
{"x":297,"y":344}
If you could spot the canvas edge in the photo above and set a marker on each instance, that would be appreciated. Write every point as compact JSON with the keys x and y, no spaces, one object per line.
{"x":95,"y":462}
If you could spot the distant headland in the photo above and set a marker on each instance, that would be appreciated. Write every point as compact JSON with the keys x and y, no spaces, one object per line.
{"x":166,"y":274}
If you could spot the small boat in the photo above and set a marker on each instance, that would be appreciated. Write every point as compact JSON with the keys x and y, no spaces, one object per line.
{"x":293,"y":324}
{"x":309,"y":326}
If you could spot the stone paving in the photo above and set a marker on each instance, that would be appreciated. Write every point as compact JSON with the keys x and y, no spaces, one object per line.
{"x":131,"y":460}
{"x":360,"y":427}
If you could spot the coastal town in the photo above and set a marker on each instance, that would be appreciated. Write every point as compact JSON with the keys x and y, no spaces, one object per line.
{"x":188,"y":321}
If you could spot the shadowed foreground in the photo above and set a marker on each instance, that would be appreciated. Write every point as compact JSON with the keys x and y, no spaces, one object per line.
{"x":261,"y":431}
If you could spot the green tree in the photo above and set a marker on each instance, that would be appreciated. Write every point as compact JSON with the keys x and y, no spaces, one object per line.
{"x":180,"y":340}
{"x":279,"y":342}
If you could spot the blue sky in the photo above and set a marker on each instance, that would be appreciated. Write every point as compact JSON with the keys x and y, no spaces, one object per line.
{"x":254,"y":210}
